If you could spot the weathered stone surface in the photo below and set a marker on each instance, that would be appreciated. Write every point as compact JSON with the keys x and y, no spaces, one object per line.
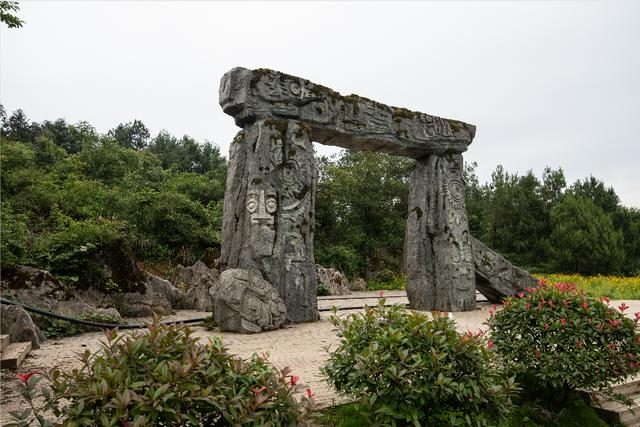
{"x":196,"y":281}
{"x":334,"y":281}
{"x":497,"y":278}
{"x":346,"y":121}
{"x":158,"y":285}
{"x":16,"y":322}
{"x":41,"y":289}
{"x":268,"y":215}
{"x":359,"y":284}
{"x":246,"y":303}
{"x":439,"y":264}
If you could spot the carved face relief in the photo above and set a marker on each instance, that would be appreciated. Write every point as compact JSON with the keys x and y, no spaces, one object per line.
{"x":261,"y":206}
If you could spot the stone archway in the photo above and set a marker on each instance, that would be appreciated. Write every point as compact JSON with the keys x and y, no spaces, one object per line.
{"x":268,"y":219}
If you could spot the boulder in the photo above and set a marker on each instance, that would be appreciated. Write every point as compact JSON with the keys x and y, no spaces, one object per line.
{"x":158,"y":285}
{"x":334,"y":281}
{"x":359,"y":284}
{"x":41,"y":289}
{"x":246,"y":303}
{"x":195,"y":281}
{"x":16,"y":322}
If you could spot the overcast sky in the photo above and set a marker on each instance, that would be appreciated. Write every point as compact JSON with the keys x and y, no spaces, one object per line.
{"x":546,"y":83}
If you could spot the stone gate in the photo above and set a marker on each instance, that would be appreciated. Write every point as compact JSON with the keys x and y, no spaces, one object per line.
{"x":268,"y":219}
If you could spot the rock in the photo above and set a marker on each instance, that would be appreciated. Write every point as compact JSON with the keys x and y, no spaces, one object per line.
{"x":195,"y":281}
{"x":160,"y":286}
{"x":40,"y":289}
{"x":333,"y":280}
{"x":246,"y":303}
{"x":347,"y":121}
{"x":268,"y":216}
{"x":359,"y":284}
{"x":439,"y":263}
{"x":16,"y":322}
{"x":157,"y":296}
{"x":497,"y":278}
{"x":211,"y":258}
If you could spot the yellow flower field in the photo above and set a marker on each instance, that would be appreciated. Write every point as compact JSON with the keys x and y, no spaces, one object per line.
{"x":614,"y":287}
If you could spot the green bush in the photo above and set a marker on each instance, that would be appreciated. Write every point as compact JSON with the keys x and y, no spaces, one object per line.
{"x":340,"y":257}
{"x":555,"y":340}
{"x":404,"y":368}
{"x":385,"y":281}
{"x":164,"y":376}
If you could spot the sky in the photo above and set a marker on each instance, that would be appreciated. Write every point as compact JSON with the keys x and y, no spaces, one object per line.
{"x":546,"y":83}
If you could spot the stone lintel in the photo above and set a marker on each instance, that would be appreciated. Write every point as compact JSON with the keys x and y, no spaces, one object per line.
{"x":346,"y":121}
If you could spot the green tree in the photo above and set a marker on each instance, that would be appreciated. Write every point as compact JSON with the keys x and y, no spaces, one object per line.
{"x":18,"y":128}
{"x":131,"y":135}
{"x":584,"y":239}
{"x":361,"y":208}
{"x":7,"y":10}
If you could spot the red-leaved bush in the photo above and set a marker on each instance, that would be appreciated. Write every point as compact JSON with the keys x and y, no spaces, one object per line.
{"x":556,"y":338}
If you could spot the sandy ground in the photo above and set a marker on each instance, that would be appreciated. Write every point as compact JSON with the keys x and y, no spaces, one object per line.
{"x":301,"y":347}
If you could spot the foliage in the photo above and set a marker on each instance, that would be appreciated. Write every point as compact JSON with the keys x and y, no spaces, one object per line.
{"x":585,"y":240}
{"x":405,"y":368}
{"x":321,"y":290}
{"x":164,"y":376}
{"x":615,"y":287}
{"x":361,"y":209}
{"x":7,"y":8}
{"x":71,"y":196}
{"x":555,"y":339}
{"x":209,"y":323}
{"x":385,"y":281}
{"x":542,"y":224}
{"x":576,"y":413}
{"x":58,"y":328}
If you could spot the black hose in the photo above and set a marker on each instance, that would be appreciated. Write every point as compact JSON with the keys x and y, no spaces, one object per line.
{"x":127,"y":326}
{"x":90,"y":323}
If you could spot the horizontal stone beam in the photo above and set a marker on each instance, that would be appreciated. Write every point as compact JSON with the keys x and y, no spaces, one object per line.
{"x":346,"y":121}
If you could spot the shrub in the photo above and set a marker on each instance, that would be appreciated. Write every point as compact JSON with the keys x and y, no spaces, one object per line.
{"x":403,"y":367}
{"x":166,"y":377}
{"x":321,"y":290}
{"x":384,"y":281}
{"x":556,"y":339}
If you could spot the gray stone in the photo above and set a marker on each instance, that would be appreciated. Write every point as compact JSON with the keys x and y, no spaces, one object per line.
{"x":268,"y":215}
{"x":158,"y":285}
{"x":196,"y":281}
{"x":333,"y":280}
{"x":497,"y":278}
{"x":41,"y":289}
{"x":347,"y":121}
{"x":439,"y":263}
{"x":359,"y":284}
{"x":16,"y":322}
{"x":246,"y":303}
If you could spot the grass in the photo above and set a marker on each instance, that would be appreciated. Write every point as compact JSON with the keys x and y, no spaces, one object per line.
{"x":614,"y":287}
{"x":575,"y":414}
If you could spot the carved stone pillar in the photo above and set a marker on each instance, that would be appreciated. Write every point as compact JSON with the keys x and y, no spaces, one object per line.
{"x":268,"y":218}
{"x":439,"y":263}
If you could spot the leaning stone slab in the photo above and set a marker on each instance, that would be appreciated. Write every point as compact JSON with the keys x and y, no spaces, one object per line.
{"x":346,"y":121}
{"x":246,"y":303}
{"x":16,"y":322}
{"x":497,"y":278}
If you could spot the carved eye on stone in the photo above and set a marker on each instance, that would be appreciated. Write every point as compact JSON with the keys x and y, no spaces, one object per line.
{"x":295,"y":88}
{"x":252,"y":203}
{"x":272,"y":205}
